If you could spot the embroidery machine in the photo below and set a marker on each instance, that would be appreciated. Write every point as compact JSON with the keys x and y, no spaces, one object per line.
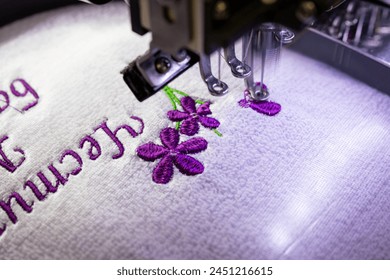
{"x":351,"y":35}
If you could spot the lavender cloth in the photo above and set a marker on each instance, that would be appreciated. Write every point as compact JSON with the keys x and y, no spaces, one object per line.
{"x":312,"y":182}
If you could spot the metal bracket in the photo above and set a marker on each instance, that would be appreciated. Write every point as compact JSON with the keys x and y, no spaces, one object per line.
{"x":216,"y":87}
{"x":238,"y":68}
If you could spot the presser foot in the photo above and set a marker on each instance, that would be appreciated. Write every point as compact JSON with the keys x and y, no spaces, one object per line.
{"x":258,"y":92}
{"x":215,"y":86}
{"x":238,"y":68}
{"x":262,"y":54}
{"x":151,"y":72}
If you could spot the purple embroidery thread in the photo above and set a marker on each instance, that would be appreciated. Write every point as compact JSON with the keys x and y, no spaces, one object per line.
{"x":94,"y":144}
{"x":6,"y":100}
{"x":60,"y":180}
{"x":28,"y":89}
{"x":172,"y":153}
{"x":192,"y":116}
{"x":263,"y":107}
{"x":76,"y":156}
{"x":38,"y":194}
{"x":142,"y":125}
{"x":5,"y":162}
{"x":203,"y":110}
{"x":115,"y":139}
{"x":6,"y":206}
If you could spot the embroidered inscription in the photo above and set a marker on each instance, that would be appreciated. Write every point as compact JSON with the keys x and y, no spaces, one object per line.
{"x":5,"y":162}
{"x":20,"y":97}
{"x":52,"y":178}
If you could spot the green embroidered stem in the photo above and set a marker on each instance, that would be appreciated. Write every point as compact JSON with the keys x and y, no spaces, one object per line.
{"x":198,"y":101}
{"x":168,"y":93}
{"x":217,"y":132}
{"x":172,"y":97}
{"x":177,"y":100}
{"x":172,"y":91}
{"x":179,"y":92}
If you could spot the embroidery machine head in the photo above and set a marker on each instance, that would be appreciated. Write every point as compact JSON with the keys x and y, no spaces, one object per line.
{"x":187,"y":31}
{"x":352,"y":35}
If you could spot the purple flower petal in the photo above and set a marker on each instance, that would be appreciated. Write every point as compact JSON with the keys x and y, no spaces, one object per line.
{"x":192,"y":146}
{"x":151,"y":151}
{"x":188,"y":165}
{"x":188,"y":104}
{"x":243,"y":103}
{"x":209,"y":122}
{"x":163,"y":172}
{"x":266,"y":107}
{"x":177,"y":116}
{"x":169,"y":137}
{"x":189,"y":127}
{"x":204,"y":109}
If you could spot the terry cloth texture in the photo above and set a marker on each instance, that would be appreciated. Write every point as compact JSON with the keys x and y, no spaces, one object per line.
{"x":312,"y":182}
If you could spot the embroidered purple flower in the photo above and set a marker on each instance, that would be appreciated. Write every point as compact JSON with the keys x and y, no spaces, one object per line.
{"x":192,"y":116}
{"x":263,"y":107}
{"x":172,"y":154}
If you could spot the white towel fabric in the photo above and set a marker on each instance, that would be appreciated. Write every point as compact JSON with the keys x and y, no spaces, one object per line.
{"x":312,"y":182}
